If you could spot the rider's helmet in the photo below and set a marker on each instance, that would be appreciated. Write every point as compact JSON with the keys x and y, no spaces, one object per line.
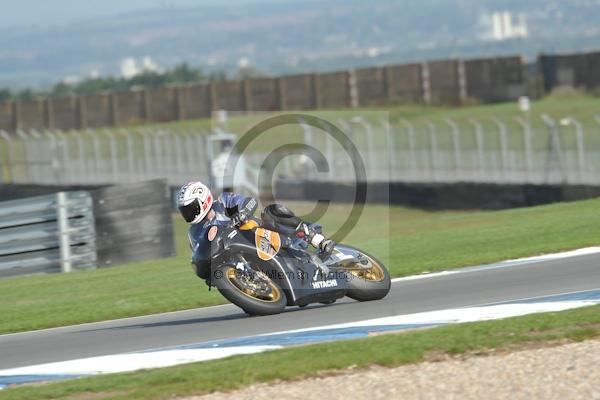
{"x":194,"y":201}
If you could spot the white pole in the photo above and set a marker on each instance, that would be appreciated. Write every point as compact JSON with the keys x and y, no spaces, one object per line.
{"x":433,"y":142}
{"x":81,"y":158}
{"x":580,"y":148}
{"x":113,"y":155}
{"x":410,"y":131}
{"x":308,"y":134}
{"x":528,"y":148}
{"x":62,"y":216}
{"x":130,"y":155}
{"x":370,"y":151}
{"x":391,"y":147}
{"x":480,"y":144}
{"x":503,"y":146}
{"x":456,"y":145}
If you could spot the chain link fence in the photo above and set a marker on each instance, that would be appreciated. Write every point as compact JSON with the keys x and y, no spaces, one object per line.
{"x":492,"y":150}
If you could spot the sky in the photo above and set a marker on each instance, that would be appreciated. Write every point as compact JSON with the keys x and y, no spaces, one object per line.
{"x":23,"y":13}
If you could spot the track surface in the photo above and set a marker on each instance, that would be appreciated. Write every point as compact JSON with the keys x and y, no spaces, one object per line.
{"x":472,"y":287}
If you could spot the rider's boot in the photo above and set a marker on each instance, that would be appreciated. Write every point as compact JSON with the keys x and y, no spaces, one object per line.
{"x":314,"y":237}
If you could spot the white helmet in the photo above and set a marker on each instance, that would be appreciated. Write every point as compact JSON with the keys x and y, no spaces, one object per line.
{"x":194,"y":201}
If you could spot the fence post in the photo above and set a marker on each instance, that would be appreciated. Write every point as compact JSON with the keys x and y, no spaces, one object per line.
{"x":410,"y":131}
{"x":113,"y":154}
{"x":62,"y":216}
{"x":580,"y":147}
{"x":456,"y":146}
{"x":130,"y":155}
{"x":480,"y":144}
{"x":347,"y":129}
{"x":28,"y":166}
{"x":97,"y":157}
{"x":391,"y":143}
{"x":66,"y":170}
{"x":433,"y":142}
{"x":528,"y":148}
{"x":369,"y":136}
{"x":554,"y":148}
{"x":503,"y":145}
{"x":307,"y":130}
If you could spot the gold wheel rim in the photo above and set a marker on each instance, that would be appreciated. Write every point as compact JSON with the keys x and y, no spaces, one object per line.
{"x":374,"y":274}
{"x":274,"y":296}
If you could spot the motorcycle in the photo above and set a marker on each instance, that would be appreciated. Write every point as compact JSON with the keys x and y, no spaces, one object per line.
{"x":263,"y":272}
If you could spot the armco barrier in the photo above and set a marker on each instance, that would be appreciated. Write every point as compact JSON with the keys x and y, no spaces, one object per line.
{"x":49,"y":233}
{"x":129,"y":223}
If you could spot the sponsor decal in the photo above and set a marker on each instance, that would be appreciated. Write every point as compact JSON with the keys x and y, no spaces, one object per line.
{"x":212,"y":232}
{"x":207,"y":203}
{"x":251,"y":204}
{"x":249,"y":225}
{"x":232,"y":234}
{"x":267,"y":243}
{"x":325,"y":284}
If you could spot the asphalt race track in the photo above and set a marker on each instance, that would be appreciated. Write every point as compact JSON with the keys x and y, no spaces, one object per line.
{"x":473,"y":286}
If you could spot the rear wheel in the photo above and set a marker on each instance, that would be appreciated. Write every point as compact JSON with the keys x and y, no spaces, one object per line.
{"x":255,"y":293}
{"x":369,"y":279}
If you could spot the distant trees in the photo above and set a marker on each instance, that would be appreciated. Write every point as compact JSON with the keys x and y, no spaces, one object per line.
{"x":180,"y":74}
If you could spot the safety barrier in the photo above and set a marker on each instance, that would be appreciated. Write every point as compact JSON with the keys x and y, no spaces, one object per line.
{"x":51,"y":233}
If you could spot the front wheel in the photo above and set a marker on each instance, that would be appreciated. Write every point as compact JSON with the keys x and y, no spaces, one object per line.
{"x":369,"y":279}
{"x":256,"y":295}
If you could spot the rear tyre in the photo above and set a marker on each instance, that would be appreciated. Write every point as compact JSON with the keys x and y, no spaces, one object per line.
{"x":259,"y":296}
{"x":370,"y":281}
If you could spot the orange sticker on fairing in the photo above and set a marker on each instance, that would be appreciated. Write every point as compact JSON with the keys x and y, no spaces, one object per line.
{"x":267,"y":242}
{"x":212,"y":232}
{"x":248,"y":225}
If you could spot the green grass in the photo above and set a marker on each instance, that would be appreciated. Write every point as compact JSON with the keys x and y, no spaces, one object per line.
{"x":408,"y":241}
{"x":386,"y":350}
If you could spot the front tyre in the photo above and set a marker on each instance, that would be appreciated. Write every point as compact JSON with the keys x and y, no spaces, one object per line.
{"x":369,"y":279}
{"x":257,"y":295}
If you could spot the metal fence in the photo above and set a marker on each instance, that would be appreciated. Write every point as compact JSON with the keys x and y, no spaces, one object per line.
{"x":47,"y":234}
{"x":491,"y":150}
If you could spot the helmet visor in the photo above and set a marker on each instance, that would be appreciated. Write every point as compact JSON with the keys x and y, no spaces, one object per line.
{"x":190,"y":211}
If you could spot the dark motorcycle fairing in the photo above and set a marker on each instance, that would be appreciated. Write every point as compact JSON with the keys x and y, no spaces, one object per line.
{"x":302,"y":276}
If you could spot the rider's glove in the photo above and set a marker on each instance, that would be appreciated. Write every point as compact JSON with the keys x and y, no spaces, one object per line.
{"x":240,"y":218}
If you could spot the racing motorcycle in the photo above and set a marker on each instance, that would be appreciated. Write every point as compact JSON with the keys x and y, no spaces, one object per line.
{"x":262,"y":271}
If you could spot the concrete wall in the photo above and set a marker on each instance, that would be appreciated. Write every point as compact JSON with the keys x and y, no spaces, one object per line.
{"x":98,"y":112}
{"x":405,"y":82}
{"x":436,"y":82}
{"x":581,"y":71}
{"x":197,"y":101}
{"x":332,"y":90}
{"x":495,"y":79}
{"x":229,"y":96}
{"x":445,"y":84}
{"x":6,"y":116}
{"x":298,"y":92}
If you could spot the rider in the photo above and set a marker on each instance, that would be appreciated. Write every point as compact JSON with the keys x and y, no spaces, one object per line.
{"x":197,"y":207}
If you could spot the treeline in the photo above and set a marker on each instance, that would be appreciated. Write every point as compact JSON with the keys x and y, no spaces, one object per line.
{"x":180,"y":74}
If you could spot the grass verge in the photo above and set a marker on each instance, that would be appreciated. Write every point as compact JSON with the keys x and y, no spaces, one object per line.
{"x":408,"y":241}
{"x":297,"y":362}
